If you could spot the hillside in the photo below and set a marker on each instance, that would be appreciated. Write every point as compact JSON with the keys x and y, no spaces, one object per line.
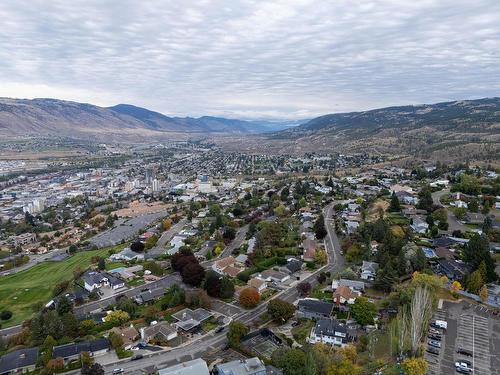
{"x":449,"y":131}
{"x":123,"y":122}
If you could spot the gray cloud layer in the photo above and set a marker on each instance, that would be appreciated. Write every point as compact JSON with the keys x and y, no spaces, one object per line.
{"x":251,"y":59}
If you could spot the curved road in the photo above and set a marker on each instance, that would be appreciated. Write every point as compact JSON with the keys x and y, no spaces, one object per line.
{"x":453,"y":223}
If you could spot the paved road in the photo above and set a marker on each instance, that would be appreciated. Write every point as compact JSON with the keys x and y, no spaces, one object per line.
{"x":164,"y":282}
{"x":453,"y":223}
{"x":160,"y":249}
{"x":34,"y":260}
{"x":332,"y":243}
{"x":236,"y":243}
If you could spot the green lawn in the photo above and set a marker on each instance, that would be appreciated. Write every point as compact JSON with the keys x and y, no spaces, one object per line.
{"x":113,"y":265}
{"x":20,"y":291}
{"x":302,"y":331}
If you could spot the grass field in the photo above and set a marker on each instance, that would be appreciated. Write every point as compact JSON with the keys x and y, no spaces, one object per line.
{"x":20,"y":291}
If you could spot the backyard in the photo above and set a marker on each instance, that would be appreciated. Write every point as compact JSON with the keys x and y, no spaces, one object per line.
{"x":21,"y":291}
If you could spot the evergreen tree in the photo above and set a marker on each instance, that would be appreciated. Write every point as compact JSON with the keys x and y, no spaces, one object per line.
{"x":394,"y":206}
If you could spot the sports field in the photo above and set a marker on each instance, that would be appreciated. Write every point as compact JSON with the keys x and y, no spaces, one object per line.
{"x":20,"y":291}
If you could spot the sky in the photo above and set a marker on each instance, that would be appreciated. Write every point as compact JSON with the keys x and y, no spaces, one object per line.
{"x":290,"y":59}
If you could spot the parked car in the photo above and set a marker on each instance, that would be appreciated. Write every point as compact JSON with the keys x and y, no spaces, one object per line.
{"x":118,"y":371}
{"x":434,"y":343}
{"x":432,"y":350}
{"x":219,"y":329}
{"x":463,"y":370}
{"x":463,"y":351}
{"x":441,"y":324}
{"x":434,"y":331}
{"x":464,"y":364}
{"x":435,"y":337}
{"x":136,"y":357}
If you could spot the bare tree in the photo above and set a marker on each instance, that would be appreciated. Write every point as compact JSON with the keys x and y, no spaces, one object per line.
{"x":403,"y":323}
{"x":420,"y":314}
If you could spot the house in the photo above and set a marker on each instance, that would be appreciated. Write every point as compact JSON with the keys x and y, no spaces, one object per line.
{"x":23,"y":239}
{"x":126,"y":255}
{"x":162,"y":331}
{"x":241,"y":260}
{"x":19,"y":361}
{"x":97,"y":279}
{"x":188,"y":319}
{"x":452,"y":269}
{"x":351,"y":226}
{"x":195,"y":367}
{"x":227,"y":266}
{"x":274,"y":276}
{"x":128,"y":335}
{"x":355,"y":285}
{"x":474,"y":218}
{"x":293,"y":265}
{"x":72,"y":351}
{"x":406,"y":197}
{"x":251,"y":366}
{"x":419,"y":225}
{"x":258,"y":284}
{"x":149,"y":295}
{"x":369,"y":270}
{"x":344,"y":294}
{"x":309,"y":246}
{"x":329,"y":331}
{"x":312,"y":308}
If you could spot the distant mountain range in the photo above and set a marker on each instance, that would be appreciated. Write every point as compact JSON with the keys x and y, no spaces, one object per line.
{"x":46,"y":117}
{"x":451,"y":130}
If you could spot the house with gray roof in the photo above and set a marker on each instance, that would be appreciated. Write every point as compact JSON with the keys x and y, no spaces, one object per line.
{"x":195,"y":367}
{"x":251,"y":366}
{"x":313,"y":308}
{"x":19,"y":361}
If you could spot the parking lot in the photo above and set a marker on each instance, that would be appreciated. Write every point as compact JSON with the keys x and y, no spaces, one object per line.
{"x":471,"y":327}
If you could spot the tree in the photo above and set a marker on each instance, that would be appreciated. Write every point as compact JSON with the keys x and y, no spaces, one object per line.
{"x":198,"y":298}
{"x":425,"y":198}
{"x":477,"y":251}
{"x":363,"y":311}
{"x":151,"y":314}
{"x":249,"y":297}
{"x":55,"y":365}
{"x":473,"y":205}
{"x":72,"y":249}
{"x":320,"y":257}
{"x":414,"y":366}
{"x":64,"y":305}
{"x":483,"y":293}
{"x":280,"y":310}
{"x":5,"y":314}
{"x":94,"y":369}
{"x":193,"y":274}
{"x":86,"y":327}
{"x":395,"y":205}
{"x":47,"y":348}
{"x":487,"y":225}
{"x":137,"y":246}
{"x":212,"y":283}
{"x":166,"y":224}
{"x":70,"y":325}
{"x":420,"y":314}
{"x":101,"y":264}
{"x":117,"y":318}
{"x":86,"y":359}
{"x":236,"y":331}
{"x":291,"y":361}
{"x":226,"y":287}
{"x":476,"y":281}
{"x":150,"y":242}
{"x":319,"y":227}
{"x":304,"y":288}
{"x":116,"y":341}
{"x":154,"y":267}
{"x":127,"y":304}
{"x":459,"y":212}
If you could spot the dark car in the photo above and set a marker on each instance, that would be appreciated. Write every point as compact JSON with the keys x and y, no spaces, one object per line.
{"x":219,"y":329}
{"x":435,"y":337}
{"x":137,"y":357}
{"x":463,"y":370}
{"x":432,"y":350}
{"x":463,"y":351}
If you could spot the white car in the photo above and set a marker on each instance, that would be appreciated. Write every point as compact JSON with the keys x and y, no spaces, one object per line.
{"x":118,"y":371}
{"x":464,"y":365}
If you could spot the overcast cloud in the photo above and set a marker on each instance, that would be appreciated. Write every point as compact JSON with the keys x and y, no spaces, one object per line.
{"x":251,"y":59}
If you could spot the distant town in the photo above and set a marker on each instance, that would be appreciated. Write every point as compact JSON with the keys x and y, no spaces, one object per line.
{"x":181,"y":258}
